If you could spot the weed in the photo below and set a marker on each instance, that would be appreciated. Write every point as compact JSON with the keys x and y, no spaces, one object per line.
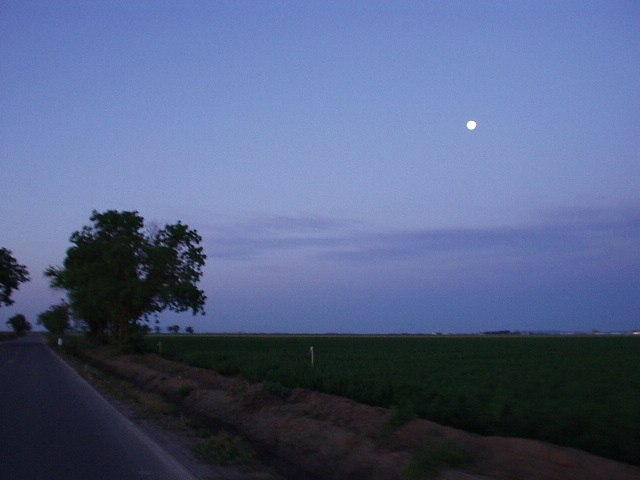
{"x":276,"y":389}
{"x":432,"y":458}
{"x":188,"y":423}
{"x":225,"y":449}
{"x":185,"y":390}
{"x":150,"y":404}
{"x":400,"y":415}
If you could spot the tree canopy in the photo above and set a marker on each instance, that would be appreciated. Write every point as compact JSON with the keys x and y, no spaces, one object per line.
{"x":19,"y":324}
{"x":12,"y":274}
{"x":55,"y":319}
{"x":117,"y":273}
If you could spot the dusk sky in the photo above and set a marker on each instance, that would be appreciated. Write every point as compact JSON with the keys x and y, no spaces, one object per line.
{"x":321,"y":150}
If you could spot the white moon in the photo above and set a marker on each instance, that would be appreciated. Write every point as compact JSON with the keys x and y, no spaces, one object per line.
{"x":471,"y":124}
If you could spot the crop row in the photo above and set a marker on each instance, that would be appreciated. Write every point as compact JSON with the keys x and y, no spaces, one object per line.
{"x":576,"y":391}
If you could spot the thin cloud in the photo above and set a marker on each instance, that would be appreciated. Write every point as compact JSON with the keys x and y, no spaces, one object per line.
{"x":589,"y":233}
{"x":419,"y":243}
{"x":261,"y":235}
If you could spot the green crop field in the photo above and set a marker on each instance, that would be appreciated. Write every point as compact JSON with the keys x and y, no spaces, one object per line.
{"x":576,"y":391}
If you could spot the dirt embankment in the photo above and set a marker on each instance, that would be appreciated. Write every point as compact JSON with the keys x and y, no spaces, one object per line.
{"x":307,"y":434}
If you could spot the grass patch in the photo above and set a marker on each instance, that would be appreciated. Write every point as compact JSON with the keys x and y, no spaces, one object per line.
{"x":150,"y":404}
{"x":400,"y":415}
{"x":185,"y":390}
{"x":433,"y":458}
{"x":276,"y":389}
{"x":226,"y":449}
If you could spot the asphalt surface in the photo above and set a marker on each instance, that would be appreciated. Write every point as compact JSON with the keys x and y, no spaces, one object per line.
{"x":55,"y":426}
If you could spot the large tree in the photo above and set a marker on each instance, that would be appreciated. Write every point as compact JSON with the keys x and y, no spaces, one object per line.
{"x":117,"y":273}
{"x":12,"y":274}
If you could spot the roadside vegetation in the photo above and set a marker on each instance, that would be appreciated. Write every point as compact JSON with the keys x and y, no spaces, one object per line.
{"x":19,"y":324}
{"x":209,"y":446}
{"x":226,"y":449}
{"x":55,"y":319}
{"x":582,"y":392}
{"x":433,"y":458}
{"x":12,"y":274}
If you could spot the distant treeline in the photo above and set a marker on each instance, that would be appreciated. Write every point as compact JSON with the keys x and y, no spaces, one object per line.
{"x":505,"y":332}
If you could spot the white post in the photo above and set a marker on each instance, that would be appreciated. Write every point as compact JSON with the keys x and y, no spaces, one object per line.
{"x":60,"y":341}
{"x":311,"y":354}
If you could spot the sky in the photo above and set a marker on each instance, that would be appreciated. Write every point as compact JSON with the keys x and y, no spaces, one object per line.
{"x":320,"y":149}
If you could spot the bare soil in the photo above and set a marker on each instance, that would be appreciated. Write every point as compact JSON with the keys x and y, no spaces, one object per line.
{"x":307,"y":434}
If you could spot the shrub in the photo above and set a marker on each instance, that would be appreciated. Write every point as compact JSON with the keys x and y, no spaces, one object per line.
{"x":225,"y":449}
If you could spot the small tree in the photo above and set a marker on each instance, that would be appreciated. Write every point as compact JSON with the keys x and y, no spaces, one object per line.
{"x":19,"y":324}
{"x":56,"y":319}
{"x":173,"y":329}
{"x":189,"y":329}
{"x":12,"y":274}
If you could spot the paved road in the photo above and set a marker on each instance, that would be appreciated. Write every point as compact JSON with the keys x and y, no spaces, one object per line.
{"x":55,"y":426}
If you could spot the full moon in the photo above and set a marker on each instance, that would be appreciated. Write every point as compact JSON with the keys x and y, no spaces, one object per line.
{"x":471,"y":124}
